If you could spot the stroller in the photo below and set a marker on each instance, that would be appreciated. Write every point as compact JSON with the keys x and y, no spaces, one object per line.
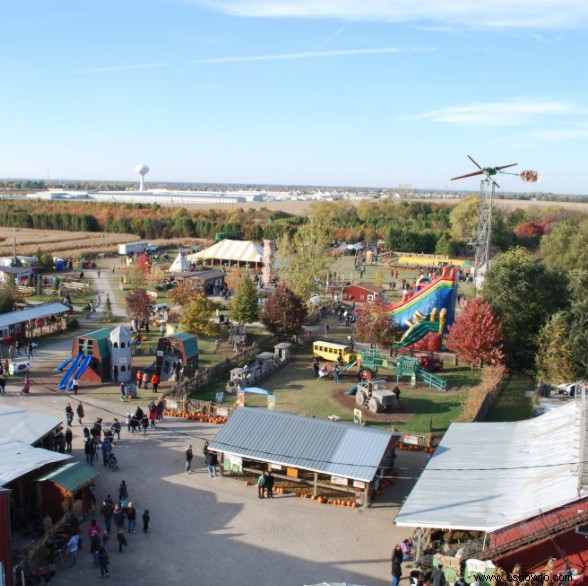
{"x":112,"y":462}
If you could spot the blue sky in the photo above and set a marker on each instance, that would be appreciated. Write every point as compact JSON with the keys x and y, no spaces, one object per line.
{"x":324,"y":92}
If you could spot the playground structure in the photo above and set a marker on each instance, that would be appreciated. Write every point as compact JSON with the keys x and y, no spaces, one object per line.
{"x":177,"y":352}
{"x":238,"y":335}
{"x":432,"y":327}
{"x":405,"y":366}
{"x":271,"y":399}
{"x":264,"y":364}
{"x":101,"y":355}
{"x":376,"y":396}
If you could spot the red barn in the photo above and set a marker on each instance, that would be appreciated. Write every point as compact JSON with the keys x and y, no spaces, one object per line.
{"x":361,"y":292}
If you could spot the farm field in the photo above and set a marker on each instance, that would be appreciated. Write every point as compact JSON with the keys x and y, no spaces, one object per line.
{"x":60,"y":242}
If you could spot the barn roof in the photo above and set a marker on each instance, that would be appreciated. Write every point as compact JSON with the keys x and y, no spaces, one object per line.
{"x":32,"y":313}
{"x":71,"y":476}
{"x":312,"y":444}
{"x":25,"y":426}
{"x":190,"y":342}
{"x":18,"y":458}
{"x":486,"y":476}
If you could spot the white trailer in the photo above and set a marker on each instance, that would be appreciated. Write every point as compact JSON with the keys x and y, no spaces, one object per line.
{"x":133,"y":247}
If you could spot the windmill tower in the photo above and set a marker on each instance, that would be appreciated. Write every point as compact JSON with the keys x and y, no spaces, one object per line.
{"x":487,"y":191}
{"x":142,"y":170}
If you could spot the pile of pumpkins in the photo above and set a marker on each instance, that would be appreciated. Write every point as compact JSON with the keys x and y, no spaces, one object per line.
{"x":412,"y":448}
{"x":330,"y":501}
{"x":196,"y":416}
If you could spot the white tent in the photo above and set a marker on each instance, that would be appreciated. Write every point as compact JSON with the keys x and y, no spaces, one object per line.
{"x":230,"y":250}
{"x":180,"y":264}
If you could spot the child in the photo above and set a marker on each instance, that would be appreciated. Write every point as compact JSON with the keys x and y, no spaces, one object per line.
{"x":128,"y":421}
{"x":146,"y":519}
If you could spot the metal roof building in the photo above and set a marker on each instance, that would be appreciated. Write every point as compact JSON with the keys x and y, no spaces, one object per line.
{"x":316,"y":445}
{"x":71,"y":476}
{"x":32,"y":313}
{"x":486,"y":476}
{"x":25,"y":426}
{"x":18,"y":459}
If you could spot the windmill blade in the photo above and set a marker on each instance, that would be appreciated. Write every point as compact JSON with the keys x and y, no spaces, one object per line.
{"x":495,"y":184}
{"x":468,"y":175}
{"x":474,"y":162}
{"x":507,"y":166}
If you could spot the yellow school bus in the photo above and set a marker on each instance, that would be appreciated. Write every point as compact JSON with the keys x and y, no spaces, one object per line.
{"x":333,"y":352}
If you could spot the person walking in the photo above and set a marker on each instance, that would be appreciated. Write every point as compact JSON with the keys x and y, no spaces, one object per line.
{"x":154,"y":382}
{"x":69,"y":414}
{"x":211,"y":462}
{"x":103,"y":560}
{"x":131,"y":518}
{"x":315,"y":367}
{"x":396,"y":392}
{"x":115,"y":428}
{"x":123,"y":492}
{"x":269,"y":485}
{"x":146,"y":519}
{"x":26,"y":386}
{"x":438,"y":577}
{"x":139,"y":378}
{"x":144,"y":424}
{"x":2,"y":383}
{"x":123,"y":391}
{"x":160,"y":408}
{"x":260,"y":485}
{"x":95,"y":546}
{"x":72,"y":548}
{"x":80,"y":412}
{"x":107,"y":511}
{"x":189,"y":456}
{"x":396,"y":571}
{"x":121,"y":538}
{"x":68,"y":440}
{"x":336,"y":373}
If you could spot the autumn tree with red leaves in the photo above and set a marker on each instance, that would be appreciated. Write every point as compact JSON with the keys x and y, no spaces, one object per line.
{"x":374,"y":324}
{"x":284,"y":313}
{"x":476,"y":335}
{"x":139,"y":306}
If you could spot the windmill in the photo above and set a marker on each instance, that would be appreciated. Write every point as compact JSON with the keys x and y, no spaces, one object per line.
{"x":487,"y":191}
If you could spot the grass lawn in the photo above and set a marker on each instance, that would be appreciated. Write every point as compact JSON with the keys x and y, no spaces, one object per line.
{"x":422,"y":409}
{"x":511,"y":404}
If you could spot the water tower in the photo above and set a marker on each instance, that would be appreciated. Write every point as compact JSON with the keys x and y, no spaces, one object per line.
{"x":142,"y":169}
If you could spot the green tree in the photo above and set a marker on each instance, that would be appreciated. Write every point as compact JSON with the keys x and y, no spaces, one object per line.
{"x":523,"y":295}
{"x":464,"y":218}
{"x":578,"y":287}
{"x":244,"y":305}
{"x":7,"y":298}
{"x":197,"y":314}
{"x":566,"y":247}
{"x":139,"y":306}
{"x":304,"y":257}
{"x":108,"y":314}
{"x":554,"y":357}
{"x":283,"y":313}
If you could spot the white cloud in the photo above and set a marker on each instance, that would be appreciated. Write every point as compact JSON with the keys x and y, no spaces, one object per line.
{"x":553,"y":135}
{"x":312,"y":55}
{"x":496,"y":114}
{"x":547,"y":14}
{"x":120,"y":68}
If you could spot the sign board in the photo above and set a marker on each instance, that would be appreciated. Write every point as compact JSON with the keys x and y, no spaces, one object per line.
{"x":222,"y":411}
{"x":219,"y":397}
{"x":152,"y":294}
{"x":271,"y":402}
{"x":410,"y":439}
{"x":276,"y":466}
{"x":358,"y":484}
{"x":292,"y":472}
{"x":235,"y":462}
{"x":171,"y":405}
{"x":339,"y":480}
{"x":159,"y":353}
{"x":240,"y":399}
{"x":357,"y":416}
